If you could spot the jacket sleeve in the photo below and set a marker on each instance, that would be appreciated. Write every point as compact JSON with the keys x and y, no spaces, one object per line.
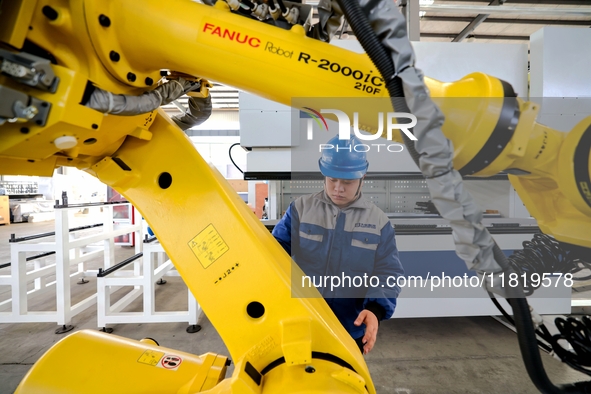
{"x":381,"y":300}
{"x":283,"y":229}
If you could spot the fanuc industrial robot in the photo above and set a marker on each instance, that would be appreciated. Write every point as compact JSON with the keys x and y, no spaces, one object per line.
{"x":81,"y":84}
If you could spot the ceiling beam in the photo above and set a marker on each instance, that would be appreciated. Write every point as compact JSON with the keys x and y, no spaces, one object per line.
{"x":438,"y":18}
{"x":475,"y":22}
{"x":550,"y":11}
{"x":542,"y":2}
{"x":470,"y":28}
{"x":212,"y":133}
{"x":478,"y":36}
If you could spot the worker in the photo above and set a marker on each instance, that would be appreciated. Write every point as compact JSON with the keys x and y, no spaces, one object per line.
{"x":340,"y":236}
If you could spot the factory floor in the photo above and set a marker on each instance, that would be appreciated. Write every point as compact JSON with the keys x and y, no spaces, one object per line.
{"x":428,"y":355}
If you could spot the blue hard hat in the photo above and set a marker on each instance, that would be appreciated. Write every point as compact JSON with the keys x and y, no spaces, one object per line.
{"x":342,"y":160}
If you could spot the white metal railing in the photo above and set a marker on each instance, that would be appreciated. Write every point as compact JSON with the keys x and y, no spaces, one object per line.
{"x":72,"y":251}
{"x":145,"y":275}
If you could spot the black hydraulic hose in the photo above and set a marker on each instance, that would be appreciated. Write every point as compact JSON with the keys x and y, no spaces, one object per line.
{"x":282,"y":6}
{"x":544,"y":254}
{"x":243,"y":11}
{"x":512,"y":322}
{"x":381,"y":59}
{"x":531,"y":354}
{"x":526,"y":336}
{"x":247,"y":3}
{"x":576,"y":334}
{"x":529,"y":349}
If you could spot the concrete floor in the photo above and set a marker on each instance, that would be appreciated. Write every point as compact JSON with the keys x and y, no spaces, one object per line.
{"x":436,"y":355}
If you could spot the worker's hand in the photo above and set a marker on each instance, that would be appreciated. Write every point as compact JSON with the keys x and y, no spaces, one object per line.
{"x":371,"y":329}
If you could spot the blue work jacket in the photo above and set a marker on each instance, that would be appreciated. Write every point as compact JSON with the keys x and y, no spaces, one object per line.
{"x":329,"y":243}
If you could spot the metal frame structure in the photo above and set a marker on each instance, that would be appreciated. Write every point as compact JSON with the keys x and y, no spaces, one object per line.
{"x":143,"y":277}
{"x":70,"y":252}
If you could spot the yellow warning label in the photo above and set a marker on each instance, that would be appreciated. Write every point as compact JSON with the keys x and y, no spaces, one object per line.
{"x":150,"y":357}
{"x":208,"y":246}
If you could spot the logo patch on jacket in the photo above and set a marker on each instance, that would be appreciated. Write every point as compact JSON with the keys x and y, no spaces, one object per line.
{"x":365,"y":225}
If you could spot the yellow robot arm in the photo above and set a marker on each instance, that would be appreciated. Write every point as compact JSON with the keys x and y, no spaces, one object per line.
{"x":280,"y":342}
{"x":114,"y":46}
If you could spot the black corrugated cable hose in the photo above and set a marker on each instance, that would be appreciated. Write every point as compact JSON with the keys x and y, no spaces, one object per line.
{"x":578,"y":334}
{"x":523,"y":322}
{"x":545,"y":255}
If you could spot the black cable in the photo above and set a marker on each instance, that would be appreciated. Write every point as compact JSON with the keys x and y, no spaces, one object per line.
{"x":247,"y":3}
{"x":545,"y":255}
{"x":282,"y":6}
{"x":232,"y":160}
{"x":523,"y":322}
{"x":244,"y":12}
{"x":272,"y":6}
{"x":542,"y":332}
{"x":578,"y":334}
{"x":572,"y":331}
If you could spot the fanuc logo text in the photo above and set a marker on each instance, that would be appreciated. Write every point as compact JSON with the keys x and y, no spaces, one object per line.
{"x":391,"y":123}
